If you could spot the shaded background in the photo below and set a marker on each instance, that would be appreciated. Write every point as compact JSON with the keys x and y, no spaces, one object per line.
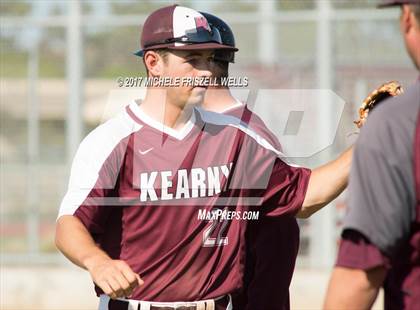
{"x":60,"y":60}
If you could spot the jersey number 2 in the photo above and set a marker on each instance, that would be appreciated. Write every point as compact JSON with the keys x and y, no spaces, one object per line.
{"x":218,"y":226}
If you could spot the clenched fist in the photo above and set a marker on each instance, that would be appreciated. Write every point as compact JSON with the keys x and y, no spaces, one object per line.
{"x":114,"y":277}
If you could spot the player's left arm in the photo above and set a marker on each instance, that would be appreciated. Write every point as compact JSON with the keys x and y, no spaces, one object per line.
{"x":351,"y":288}
{"x":326,"y":183}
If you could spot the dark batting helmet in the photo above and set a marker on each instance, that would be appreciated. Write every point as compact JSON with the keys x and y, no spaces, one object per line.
{"x":179,"y":28}
{"x":388,"y":3}
{"x":227,"y":38}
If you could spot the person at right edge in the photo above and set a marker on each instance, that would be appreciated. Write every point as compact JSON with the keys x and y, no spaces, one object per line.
{"x":380,"y":244}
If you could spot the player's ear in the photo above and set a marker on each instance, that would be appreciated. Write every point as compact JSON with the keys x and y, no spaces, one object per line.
{"x":405,"y":19}
{"x":154,"y":63}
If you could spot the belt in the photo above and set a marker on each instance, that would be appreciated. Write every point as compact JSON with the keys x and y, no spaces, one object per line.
{"x":222,"y":303}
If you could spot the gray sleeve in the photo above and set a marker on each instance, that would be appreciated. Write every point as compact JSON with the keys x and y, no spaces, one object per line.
{"x":381,"y":189}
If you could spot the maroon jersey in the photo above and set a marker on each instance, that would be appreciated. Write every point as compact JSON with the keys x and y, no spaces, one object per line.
{"x":172,"y":203}
{"x":273,"y":242}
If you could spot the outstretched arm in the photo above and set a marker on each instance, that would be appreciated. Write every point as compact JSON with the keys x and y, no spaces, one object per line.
{"x":326,"y":183}
{"x":114,"y":277}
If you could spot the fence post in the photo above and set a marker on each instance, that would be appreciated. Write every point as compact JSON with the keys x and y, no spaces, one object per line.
{"x":323,"y":236}
{"x":32,"y":223}
{"x":267,"y":32}
{"x":75,"y":78}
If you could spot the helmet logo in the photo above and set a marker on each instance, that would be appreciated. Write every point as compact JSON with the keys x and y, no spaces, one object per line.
{"x":201,"y":22}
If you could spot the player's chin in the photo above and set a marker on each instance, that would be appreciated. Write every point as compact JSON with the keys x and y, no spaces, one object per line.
{"x":199,"y":90}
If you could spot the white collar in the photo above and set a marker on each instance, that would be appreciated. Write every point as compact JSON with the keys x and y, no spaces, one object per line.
{"x":177,"y":134}
{"x":237,"y":104}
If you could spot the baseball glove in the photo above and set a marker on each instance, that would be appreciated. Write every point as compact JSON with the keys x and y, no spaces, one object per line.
{"x":386,"y":90}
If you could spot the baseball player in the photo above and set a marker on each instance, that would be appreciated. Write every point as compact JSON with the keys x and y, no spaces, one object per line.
{"x":380,"y":240}
{"x":157,"y":195}
{"x":273,"y":243}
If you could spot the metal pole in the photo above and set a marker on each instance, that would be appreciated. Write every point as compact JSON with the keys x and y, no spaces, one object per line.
{"x":74,"y":77}
{"x":33,"y":151}
{"x":324,"y":64}
{"x":266,"y":33}
{"x":360,"y":91}
{"x":322,"y":245}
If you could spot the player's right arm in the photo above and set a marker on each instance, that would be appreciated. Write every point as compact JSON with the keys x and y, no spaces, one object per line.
{"x":326,"y":183}
{"x":358,"y":275}
{"x":83,"y":220}
{"x":351,"y":288}
{"x":114,"y":277}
